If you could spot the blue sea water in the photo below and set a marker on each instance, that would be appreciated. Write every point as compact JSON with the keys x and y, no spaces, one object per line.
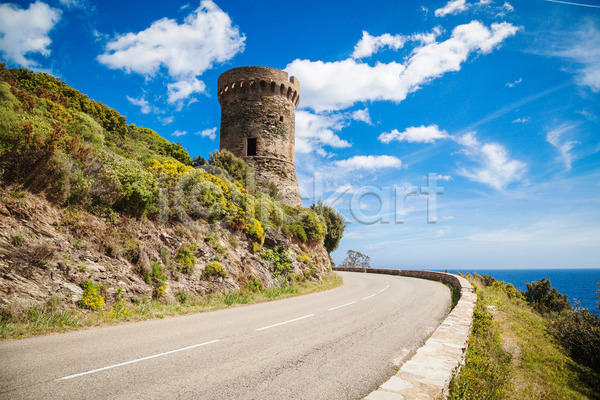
{"x":578,"y":284}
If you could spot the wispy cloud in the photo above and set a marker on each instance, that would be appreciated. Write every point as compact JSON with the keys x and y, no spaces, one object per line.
{"x":515,"y":83}
{"x":573,"y":4}
{"x":369,"y":45}
{"x":495,"y":167}
{"x":556,"y":137}
{"x":369,"y":162}
{"x":521,"y":120}
{"x":144,"y":105}
{"x":210,"y":133}
{"x":453,"y":7}
{"x":179,"y":133}
{"x":580,"y":49}
{"x":414,"y":134}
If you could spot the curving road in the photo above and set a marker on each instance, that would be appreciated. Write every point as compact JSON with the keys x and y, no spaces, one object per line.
{"x":339,"y":344}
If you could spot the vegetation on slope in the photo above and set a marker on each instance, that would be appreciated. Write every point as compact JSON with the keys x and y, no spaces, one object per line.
{"x":516,"y":352}
{"x":122,"y":196}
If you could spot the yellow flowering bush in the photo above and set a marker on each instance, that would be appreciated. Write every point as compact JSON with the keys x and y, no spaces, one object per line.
{"x":91,"y":299}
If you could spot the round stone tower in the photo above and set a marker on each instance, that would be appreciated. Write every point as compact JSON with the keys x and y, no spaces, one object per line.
{"x":258,"y":107}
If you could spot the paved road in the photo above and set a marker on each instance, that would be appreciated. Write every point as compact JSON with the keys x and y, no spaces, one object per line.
{"x":339,"y":344}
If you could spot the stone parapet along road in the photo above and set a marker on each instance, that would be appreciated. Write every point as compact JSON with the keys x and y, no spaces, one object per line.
{"x":339,"y":344}
{"x":429,"y":372}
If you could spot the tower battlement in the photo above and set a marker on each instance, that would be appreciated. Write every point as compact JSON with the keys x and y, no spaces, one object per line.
{"x":258,"y":108}
{"x":245,"y":83}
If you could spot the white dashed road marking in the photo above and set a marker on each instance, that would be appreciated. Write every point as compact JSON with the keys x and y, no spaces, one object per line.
{"x":134,"y":361}
{"x":343,"y":305}
{"x":282,"y":323}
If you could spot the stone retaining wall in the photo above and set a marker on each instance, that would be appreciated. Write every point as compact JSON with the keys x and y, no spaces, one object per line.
{"x":429,"y":372}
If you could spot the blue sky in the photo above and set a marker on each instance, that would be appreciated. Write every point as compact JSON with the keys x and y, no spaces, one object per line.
{"x":496,"y":102}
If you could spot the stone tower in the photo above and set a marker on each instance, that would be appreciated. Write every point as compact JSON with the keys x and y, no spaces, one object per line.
{"x":258,"y":107}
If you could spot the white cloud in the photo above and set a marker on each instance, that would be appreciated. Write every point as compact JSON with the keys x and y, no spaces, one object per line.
{"x":362,"y":115}
{"x":521,"y":120}
{"x":210,"y":133}
{"x":144,"y":105}
{"x":183,"y":89}
{"x":166,"y":120}
{"x":313,"y":131}
{"x":25,"y":31}
{"x":505,"y":9}
{"x":452,"y":8}
{"x":414,"y":134}
{"x":340,"y":84}
{"x":78,"y":4}
{"x":185,"y":50}
{"x":556,"y":138}
{"x":495,"y":168}
{"x":515,"y":83}
{"x":369,"y":162}
{"x":581,"y":48}
{"x":179,"y":133}
{"x":369,"y":45}
{"x":444,"y":177}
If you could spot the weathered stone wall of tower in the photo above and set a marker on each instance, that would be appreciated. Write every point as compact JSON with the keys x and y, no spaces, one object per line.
{"x":258,"y":107}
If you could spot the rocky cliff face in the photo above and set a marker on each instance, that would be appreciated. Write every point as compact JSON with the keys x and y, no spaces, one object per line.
{"x":46,"y":250}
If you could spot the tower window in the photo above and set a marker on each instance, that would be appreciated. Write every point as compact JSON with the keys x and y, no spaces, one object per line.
{"x":251,"y":147}
{"x":281,"y":118}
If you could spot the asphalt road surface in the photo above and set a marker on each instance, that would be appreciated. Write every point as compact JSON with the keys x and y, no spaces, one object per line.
{"x":339,"y":344}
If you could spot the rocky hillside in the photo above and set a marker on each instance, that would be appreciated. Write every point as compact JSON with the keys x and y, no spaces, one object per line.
{"x":85,"y":197}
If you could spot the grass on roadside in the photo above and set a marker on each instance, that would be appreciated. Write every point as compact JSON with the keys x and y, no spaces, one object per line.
{"x":512,"y":355}
{"x":20,"y":322}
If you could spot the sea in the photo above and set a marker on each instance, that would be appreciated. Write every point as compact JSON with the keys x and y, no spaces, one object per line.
{"x":578,"y":284}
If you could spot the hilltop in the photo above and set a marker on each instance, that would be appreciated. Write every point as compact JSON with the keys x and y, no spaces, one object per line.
{"x":93,"y":207}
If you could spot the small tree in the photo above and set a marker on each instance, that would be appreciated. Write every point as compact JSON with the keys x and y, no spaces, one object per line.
{"x":335,"y":224}
{"x":545,"y":298}
{"x":355,"y":259}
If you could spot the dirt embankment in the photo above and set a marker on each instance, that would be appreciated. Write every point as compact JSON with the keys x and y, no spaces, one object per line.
{"x":45,"y":251}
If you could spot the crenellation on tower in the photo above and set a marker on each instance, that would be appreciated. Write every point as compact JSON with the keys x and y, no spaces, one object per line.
{"x":258,"y":108}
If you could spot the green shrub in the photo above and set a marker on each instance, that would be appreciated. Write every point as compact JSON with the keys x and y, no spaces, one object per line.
{"x":156,"y":277}
{"x":186,"y":258}
{"x":578,"y":331}
{"x":91,"y":299}
{"x":254,"y":285}
{"x":545,"y":298}
{"x":214,"y":269}
{"x":17,"y":240}
{"x":335,"y":224}
{"x":282,"y":262}
{"x":236,"y":167}
{"x":314,"y":226}
{"x":296,"y":230}
{"x":126,"y":185}
{"x":182,"y":296}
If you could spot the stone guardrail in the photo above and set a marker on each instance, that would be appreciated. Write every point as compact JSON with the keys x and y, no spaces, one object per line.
{"x":428,"y":373}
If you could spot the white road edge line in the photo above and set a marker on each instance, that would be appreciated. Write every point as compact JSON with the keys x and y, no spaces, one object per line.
{"x":368,"y":297}
{"x":134,"y":361}
{"x":381,"y":291}
{"x":282,"y":323}
{"x":343,"y":305}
